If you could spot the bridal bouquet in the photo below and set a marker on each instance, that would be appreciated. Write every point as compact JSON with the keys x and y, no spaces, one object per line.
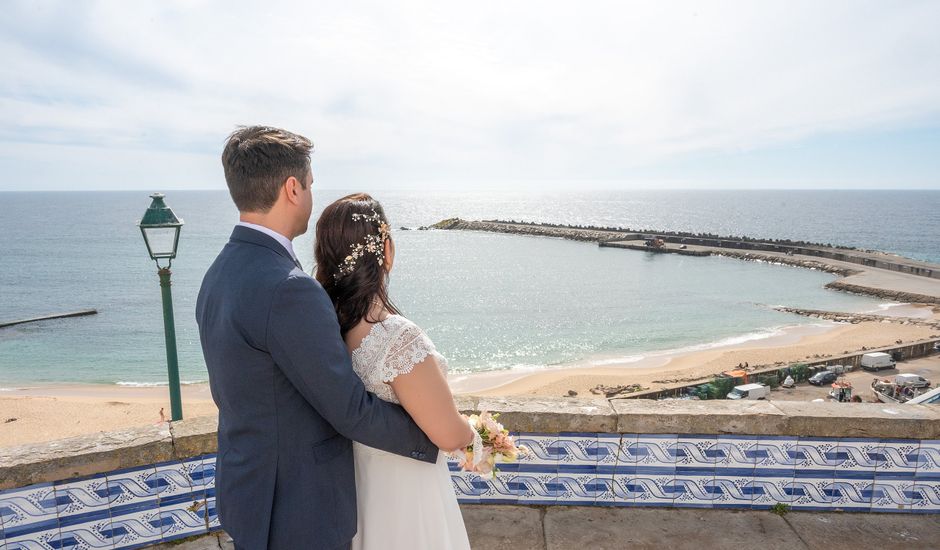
{"x":492,"y":445}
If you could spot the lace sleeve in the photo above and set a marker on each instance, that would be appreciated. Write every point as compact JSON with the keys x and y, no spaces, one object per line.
{"x":407,"y":347}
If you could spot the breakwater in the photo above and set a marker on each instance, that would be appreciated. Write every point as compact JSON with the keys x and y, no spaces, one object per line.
{"x":855,"y":318}
{"x":539,"y":230}
{"x":81,"y":313}
{"x":922,"y":284}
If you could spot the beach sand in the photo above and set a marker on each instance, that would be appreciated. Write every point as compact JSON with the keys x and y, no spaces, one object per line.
{"x":44,"y":413}
{"x":678,"y":369}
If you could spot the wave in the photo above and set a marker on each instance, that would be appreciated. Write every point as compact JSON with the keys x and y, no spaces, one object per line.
{"x":617,"y":360}
{"x":762,"y":334}
{"x":132,"y":384}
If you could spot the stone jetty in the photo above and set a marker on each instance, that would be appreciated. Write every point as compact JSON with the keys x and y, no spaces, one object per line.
{"x":81,"y":313}
{"x":867,"y":272}
{"x":855,"y":318}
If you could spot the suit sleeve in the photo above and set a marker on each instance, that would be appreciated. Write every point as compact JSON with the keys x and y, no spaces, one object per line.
{"x":304,"y":339}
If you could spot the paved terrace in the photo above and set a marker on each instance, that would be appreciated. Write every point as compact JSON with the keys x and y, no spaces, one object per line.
{"x":575,"y":527}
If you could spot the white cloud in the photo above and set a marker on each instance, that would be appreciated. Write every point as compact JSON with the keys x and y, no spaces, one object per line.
{"x":396,"y":94}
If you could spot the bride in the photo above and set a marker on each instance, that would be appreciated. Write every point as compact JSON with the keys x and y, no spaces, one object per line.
{"x":402,"y":503}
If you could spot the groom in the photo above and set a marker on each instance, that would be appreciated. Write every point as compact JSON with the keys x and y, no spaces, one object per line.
{"x":289,"y":401}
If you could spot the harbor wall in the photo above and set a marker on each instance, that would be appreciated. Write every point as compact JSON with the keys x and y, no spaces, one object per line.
{"x":606,"y":236}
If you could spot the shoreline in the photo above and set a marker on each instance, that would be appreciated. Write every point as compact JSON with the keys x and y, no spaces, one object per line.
{"x":45,"y":412}
{"x":694,"y":366}
{"x":490,"y":383}
{"x":772,"y":337}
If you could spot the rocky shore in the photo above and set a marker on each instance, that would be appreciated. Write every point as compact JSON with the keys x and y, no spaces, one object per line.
{"x":560,"y":232}
{"x":788,"y":260}
{"x":856,"y":318}
{"x":885,"y":293}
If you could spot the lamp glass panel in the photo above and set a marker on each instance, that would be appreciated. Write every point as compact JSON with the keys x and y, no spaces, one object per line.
{"x":161,"y":241}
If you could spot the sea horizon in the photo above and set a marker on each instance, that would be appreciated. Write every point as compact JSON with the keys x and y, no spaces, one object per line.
{"x":490,"y":302}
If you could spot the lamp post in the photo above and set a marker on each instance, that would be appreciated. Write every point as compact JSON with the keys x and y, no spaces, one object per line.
{"x":161,"y":230}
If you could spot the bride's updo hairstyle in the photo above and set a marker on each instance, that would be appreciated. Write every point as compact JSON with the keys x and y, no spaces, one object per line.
{"x":350,"y":256}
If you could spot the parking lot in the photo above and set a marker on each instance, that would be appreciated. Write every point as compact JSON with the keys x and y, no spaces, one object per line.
{"x":928,"y":367}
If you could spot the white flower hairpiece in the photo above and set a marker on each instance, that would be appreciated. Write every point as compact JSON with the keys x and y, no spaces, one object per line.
{"x":374,"y":244}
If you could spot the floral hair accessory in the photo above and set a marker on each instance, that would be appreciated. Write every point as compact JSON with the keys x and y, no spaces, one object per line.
{"x":374,"y":244}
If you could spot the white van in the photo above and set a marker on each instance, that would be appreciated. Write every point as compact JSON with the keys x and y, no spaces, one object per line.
{"x":911,"y":381}
{"x":749,"y":391}
{"x":877,"y":361}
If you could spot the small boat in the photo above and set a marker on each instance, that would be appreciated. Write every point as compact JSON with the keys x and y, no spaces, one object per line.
{"x":841,"y":391}
{"x":887,"y":391}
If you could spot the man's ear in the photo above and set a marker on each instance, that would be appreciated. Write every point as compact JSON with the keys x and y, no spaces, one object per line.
{"x":292,"y":189}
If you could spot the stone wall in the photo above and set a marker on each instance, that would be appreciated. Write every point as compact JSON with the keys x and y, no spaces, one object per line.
{"x":865,"y":258}
{"x":142,"y":486}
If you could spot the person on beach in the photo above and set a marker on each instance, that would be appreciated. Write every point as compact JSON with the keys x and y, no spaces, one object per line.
{"x":403,"y":504}
{"x":289,"y":401}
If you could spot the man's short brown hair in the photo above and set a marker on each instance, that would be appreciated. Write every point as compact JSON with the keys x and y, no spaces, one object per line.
{"x":258,"y":159}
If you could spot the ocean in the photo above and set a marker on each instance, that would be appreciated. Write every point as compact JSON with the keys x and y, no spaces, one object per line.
{"x":490,"y":302}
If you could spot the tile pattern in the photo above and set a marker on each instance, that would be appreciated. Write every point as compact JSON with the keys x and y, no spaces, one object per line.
{"x":709,"y":471}
{"x":130,"y":508}
{"x":164,"y":502}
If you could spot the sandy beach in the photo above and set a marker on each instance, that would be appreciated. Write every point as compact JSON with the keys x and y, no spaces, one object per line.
{"x":675,"y":369}
{"x":44,"y":413}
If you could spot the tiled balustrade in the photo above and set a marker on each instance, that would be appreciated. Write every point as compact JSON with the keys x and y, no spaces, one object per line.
{"x":141,"y":505}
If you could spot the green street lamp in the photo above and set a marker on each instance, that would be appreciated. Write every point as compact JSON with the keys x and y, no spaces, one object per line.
{"x":161,"y":230}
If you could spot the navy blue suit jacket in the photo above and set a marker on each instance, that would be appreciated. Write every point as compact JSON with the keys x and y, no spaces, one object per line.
{"x":289,"y":401}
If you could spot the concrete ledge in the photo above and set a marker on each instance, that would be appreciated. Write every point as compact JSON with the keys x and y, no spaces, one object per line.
{"x":195,"y":436}
{"x":860,"y":420}
{"x":79,"y":456}
{"x":551,"y":415}
{"x":777,"y":418}
{"x":84,"y":455}
{"x":698,"y":417}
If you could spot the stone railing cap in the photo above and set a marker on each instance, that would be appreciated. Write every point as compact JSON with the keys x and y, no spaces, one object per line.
{"x":103,"y":452}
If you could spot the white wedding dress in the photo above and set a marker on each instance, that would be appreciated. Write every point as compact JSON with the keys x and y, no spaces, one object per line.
{"x":403,"y":503}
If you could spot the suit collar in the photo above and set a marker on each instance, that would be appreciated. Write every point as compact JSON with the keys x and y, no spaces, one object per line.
{"x":252,"y":236}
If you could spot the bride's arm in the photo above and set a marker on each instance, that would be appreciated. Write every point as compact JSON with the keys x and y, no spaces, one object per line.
{"x":424,"y":393}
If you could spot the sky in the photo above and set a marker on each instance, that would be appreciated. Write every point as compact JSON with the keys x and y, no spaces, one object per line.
{"x":476,"y":96}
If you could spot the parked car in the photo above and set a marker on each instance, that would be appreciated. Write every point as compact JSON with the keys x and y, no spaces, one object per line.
{"x":823,"y":378}
{"x":749,"y":391}
{"x":911,"y":381}
{"x":877,"y":361}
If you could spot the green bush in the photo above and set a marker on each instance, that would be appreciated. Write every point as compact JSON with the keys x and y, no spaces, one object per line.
{"x":720,"y":387}
{"x":799,"y":372}
{"x":702,"y":391}
{"x":772,"y":380}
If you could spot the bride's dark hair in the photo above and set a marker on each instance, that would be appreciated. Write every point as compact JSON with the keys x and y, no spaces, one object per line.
{"x":353,"y":285}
